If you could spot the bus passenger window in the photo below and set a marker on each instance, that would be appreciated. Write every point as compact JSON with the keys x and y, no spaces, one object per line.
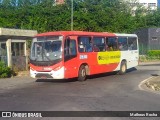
{"x":84,"y":44}
{"x":99,"y":44}
{"x":70,"y":48}
{"x":111,"y":44}
{"x":81,"y":47}
{"x":122,"y":43}
{"x":132,"y":43}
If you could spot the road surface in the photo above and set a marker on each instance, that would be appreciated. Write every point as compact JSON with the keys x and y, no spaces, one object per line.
{"x":106,"y":92}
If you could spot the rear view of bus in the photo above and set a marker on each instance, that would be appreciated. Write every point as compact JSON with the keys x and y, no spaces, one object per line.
{"x":46,"y":57}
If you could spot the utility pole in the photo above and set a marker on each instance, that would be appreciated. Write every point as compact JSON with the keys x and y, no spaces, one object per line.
{"x":71,"y":15}
{"x":54,"y":2}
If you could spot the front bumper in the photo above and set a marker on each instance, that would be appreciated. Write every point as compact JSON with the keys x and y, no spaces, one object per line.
{"x":59,"y":74}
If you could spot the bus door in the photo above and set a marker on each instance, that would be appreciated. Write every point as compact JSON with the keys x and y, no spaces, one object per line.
{"x":70,"y":57}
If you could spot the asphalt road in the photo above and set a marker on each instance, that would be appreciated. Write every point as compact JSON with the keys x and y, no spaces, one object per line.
{"x":106,"y":92}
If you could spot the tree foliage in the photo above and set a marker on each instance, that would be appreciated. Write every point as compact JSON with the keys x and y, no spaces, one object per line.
{"x":4,"y":70}
{"x":89,"y":15}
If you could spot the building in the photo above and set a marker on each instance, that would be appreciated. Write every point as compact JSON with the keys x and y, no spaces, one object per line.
{"x":149,"y":39}
{"x":150,"y":5}
{"x":13,"y":47}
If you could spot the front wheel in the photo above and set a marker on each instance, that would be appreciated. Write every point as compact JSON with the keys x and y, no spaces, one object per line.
{"x":82,"y":73}
{"x":123,"y":68}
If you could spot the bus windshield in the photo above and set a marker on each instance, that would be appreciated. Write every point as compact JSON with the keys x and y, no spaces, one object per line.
{"x":46,"y":49}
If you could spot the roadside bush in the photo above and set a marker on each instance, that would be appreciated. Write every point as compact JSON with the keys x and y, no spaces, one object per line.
{"x":153,"y":54}
{"x":142,"y":58}
{"x":4,"y":70}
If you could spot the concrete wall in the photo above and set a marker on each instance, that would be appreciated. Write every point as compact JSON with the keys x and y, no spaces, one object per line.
{"x":16,"y":35}
{"x":154,"y":38}
{"x":17,"y":32}
{"x":149,"y":39}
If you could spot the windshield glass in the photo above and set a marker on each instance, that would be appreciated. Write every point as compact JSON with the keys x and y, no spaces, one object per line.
{"x":46,"y":48}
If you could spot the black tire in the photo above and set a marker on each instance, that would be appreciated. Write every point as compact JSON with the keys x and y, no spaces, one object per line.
{"x":123,"y":68}
{"x":82,"y":73}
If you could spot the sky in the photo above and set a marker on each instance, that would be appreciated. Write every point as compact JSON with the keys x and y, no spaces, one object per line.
{"x":159,"y":3}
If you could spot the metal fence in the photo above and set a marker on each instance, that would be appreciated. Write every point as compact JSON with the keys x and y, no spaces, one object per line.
{"x":143,"y":49}
{"x":143,"y":52}
{"x":4,"y":59}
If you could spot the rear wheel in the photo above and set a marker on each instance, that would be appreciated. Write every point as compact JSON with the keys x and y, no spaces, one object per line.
{"x":82,"y":73}
{"x":123,"y":68}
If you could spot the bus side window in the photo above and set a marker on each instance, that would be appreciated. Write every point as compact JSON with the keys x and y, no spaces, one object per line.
{"x":70,"y":48}
{"x":111,"y":43}
{"x":84,"y":44}
{"x":81,"y":47}
{"x":132,"y":43}
{"x":66,"y":47}
{"x":99,"y":44}
{"x":122,"y":43}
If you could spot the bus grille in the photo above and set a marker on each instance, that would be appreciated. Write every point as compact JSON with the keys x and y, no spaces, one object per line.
{"x":42,"y":76}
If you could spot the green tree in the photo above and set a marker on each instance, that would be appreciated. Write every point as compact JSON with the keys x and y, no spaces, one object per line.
{"x":153,"y":19}
{"x":89,"y":15}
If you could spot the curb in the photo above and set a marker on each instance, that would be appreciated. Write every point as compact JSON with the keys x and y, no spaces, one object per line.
{"x":149,"y":63}
{"x":147,"y":86}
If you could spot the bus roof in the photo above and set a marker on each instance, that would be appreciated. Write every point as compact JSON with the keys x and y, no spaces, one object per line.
{"x":71,"y":33}
{"x":124,"y":35}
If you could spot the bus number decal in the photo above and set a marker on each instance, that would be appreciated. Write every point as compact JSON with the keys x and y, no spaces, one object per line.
{"x":83,"y":56}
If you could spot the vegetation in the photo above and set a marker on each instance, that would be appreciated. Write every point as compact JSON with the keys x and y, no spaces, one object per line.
{"x":89,"y":15}
{"x":4,"y":70}
{"x":153,"y":54}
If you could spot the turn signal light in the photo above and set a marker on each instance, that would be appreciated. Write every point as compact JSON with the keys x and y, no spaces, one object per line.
{"x":57,"y":68}
{"x":31,"y":68}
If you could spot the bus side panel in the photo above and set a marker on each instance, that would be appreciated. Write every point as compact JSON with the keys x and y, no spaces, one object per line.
{"x":100,"y":62}
{"x":71,"y":68}
{"x":131,"y":58}
{"x":106,"y":61}
{"x":103,"y":68}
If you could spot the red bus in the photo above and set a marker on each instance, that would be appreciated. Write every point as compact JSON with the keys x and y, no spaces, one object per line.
{"x":77,"y":54}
